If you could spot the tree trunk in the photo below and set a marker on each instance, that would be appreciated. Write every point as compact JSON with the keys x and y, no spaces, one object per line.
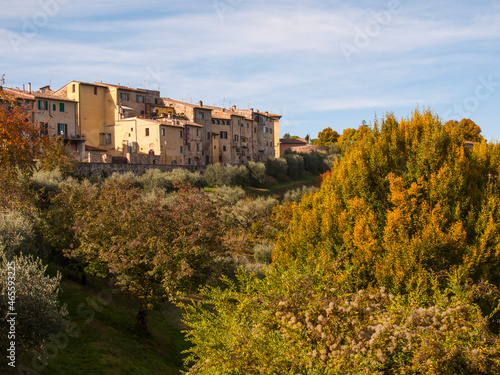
{"x":83,"y":279}
{"x":142,"y":318}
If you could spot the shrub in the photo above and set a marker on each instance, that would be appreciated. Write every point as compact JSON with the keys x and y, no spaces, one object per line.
{"x":257,"y":173}
{"x":277,"y":168}
{"x":227,"y":195}
{"x":315,"y":162}
{"x":295,"y":165}
{"x":220,"y":175}
{"x":263,"y":252}
{"x":247,"y":211}
{"x":17,"y":233}
{"x":48,"y":180}
{"x":39,"y":313}
{"x":297,"y":194}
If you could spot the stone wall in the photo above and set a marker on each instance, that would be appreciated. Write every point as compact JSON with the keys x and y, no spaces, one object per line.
{"x":107,"y":169}
{"x":143,"y":159}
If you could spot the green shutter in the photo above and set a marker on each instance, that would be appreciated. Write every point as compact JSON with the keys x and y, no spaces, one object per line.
{"x":61,"y":107}
{"x":53,"y":107}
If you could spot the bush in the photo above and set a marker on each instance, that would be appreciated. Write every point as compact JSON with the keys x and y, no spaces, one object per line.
{"x":17,"y":233}
{"x":48,"y":180}
{"x":315,"y":162}
{"x":247,"y":211}
{"x":295,"y":165}
{"x":257,"y":173}
{"x":39,"y":313}
{"x":297,"y":194}
{"x":277,"y":168}
{"x":227,"y":195}
{"x":263,"y":252}
{"x":220,"y":175}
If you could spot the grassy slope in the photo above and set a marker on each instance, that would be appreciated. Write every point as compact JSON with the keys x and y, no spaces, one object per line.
{"x":109,"y":343}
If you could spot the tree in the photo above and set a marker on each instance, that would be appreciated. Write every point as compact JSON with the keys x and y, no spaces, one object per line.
{"x":155,"y":250}
{"x":40,"y":318}
{"x":326,"y":137}
{"x":286,"y":136}
{"x":19,"y":137}
{"x":465,"y":128}
{"x":307,"y":138}
{"x":406,"y":202}
{"x":55,"y":156}
{"x":391,"y":267}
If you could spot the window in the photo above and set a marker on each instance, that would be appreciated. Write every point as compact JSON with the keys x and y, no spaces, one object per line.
{"x":147,"y":132}
{"x":201,"y":115}
{"x":223,"y":135}
{"x":208,"y":136}
{"x":73,"y":88}
{"x":255,"y":130}
{"x":124,"y":96}
{"x":224,"y":148}
{"x":162,"y":132}
{"x":53,"y":107}
{"x":197,"y":147}
{"x":197,"y":132}
{"x":218,"y":122}
{"x":213,"y":121}
{"x":189,"y":161}
{"x":271,"y":130}
{"x":180,"y":133}
{"x":43,"y":105}
{"x":62,"y":129}
{"x":236,"y":137}
{"x":131,"y":129}
{"x":181,"y":149}
{"x":140,"y":98}
{"x":95,"y":90}
{"x":187,"y":130}
{"x":108,"y":138}
{"x":61,"y":107}
{"x":189,"y":146}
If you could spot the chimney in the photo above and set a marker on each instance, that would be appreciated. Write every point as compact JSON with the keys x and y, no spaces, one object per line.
{"x":267,"y":113}
{"x":234,"y":106}
{"x":29,"y":87}
{"x":251,"y":109}
{"x":200,"y":103}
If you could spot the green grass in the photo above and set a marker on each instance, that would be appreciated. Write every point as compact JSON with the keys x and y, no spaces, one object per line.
{"x":109,"y":342}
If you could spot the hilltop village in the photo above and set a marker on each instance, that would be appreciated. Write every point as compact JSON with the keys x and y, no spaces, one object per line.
{"x":115,"y":124}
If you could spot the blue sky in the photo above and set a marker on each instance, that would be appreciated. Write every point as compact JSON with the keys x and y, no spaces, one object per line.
{"x":317,"y":63}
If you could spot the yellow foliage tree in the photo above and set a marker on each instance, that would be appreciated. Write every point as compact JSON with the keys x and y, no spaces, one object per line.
{"x":406,"y":201}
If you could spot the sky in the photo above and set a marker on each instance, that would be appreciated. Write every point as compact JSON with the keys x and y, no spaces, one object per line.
{"x":317,"y":63}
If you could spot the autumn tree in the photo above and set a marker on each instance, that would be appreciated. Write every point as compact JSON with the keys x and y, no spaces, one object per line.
{"x":19,"y":137}
{"x":326,"y":137}
{"x":465,"y":128}
{"x":154,"y":249}
{"x":406,"y":201}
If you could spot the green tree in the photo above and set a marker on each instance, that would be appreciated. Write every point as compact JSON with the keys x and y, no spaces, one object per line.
{"x":326,"y":137}
{"x":40,"y":317}
{"x":154,"y":249}
{"x":55,"y":156}
{"x":286,"y":136}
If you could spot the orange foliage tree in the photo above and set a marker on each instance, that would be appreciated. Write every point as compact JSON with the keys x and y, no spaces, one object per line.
{"x":19,"y":137}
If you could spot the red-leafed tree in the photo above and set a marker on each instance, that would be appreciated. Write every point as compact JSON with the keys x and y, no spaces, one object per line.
{"x":19,"y":137}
